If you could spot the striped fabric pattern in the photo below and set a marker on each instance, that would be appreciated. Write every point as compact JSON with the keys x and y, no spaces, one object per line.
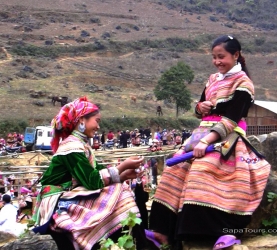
{"x":76,"y":142}
{"x":92,"y":219}
{"x":223,"y":91}
{"x":233,"y":186}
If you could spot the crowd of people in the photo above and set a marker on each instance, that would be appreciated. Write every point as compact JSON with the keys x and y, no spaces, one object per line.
{"x":12,"y":140}
{"x":136,"y":137}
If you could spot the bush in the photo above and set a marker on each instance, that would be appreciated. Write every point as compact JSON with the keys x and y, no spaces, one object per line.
{"x":260,"y":41}
{"x":8,"y":126}
{"x":54,"y":51}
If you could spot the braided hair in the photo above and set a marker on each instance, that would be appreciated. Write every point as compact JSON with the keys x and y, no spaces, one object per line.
{"x":232,"y":45}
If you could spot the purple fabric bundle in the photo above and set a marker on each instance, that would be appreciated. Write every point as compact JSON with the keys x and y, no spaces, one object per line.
{"x":180,"y":158}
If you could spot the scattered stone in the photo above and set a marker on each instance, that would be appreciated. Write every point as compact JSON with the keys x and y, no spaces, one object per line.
{"x":175,"y":55}
{"x":229,"y":25}
{"x":80,"y":40}
{"x":106,"y":35}
{"x":22,"y":74}
{"x":31,"y":242}
{"x":98,"y":45}
{"x":148,"y":97}
{"x":42,"y":74}
{"x":58,"y":66}
{"x":262,"y":137}
{"x":5,"y":238}
{"x":28,"y":69}
{"x":199,"y":79}
{"x":136,"y":28}
{"x":39,"y":103}
{"x":113,"y":88}
{"x":255,"y":141}
{"x":49,"y":42}
{"x":94,"y":20}
{"x":213,"y":18}
{"x":270,"y":150}
{"x":118,"y":27}
{"x":28,"y":29}
{"x":92,"y":88}
{"x":85,"y":33}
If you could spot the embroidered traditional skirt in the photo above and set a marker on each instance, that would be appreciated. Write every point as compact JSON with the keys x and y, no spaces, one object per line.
{"x":233,"y":187}
{"x":88,"y":215}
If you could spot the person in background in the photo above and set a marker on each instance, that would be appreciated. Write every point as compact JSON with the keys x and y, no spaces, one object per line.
{"x":8,"y":215}
{"x":25,"y":204}
{"x":103,"y":137}
{"x":110,"y":135}
{"x":147,"y":132}
{"x":141,"y":131}
{"x":124,"y":139}
{"x":154,"y":170}
{"x":164,"y":137}
{"x":2,"y":186}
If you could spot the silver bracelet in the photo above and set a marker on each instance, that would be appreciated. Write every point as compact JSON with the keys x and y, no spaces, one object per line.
{"x":114,"y":174}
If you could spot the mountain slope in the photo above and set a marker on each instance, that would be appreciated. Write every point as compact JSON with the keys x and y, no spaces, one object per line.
{"x":110,"y":50}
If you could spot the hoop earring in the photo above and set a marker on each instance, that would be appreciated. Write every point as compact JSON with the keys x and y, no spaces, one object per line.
{"x":82,"y":127}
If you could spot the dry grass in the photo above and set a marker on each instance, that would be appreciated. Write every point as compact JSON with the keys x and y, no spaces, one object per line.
{"x":134,"y":72}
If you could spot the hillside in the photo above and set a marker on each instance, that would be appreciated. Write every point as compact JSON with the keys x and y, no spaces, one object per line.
{"x":110,"y":50}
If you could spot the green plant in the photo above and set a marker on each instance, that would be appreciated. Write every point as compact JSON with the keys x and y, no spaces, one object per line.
{"x":271,"y":222}
{"x":126,"y":241}
{"x":260,"y":41}
{"x":7,"y":126}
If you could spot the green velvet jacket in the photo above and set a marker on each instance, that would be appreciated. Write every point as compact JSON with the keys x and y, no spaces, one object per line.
{"x":76,"y":165}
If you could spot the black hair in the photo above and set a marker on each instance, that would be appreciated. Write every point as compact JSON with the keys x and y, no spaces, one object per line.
{"x":6,"y":198}
{"x":87,"y":116}
{"x":232,"y":45}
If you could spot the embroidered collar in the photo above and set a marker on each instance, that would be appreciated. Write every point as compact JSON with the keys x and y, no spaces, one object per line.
{"x":232,"y":71}
{"x":80,"y":135}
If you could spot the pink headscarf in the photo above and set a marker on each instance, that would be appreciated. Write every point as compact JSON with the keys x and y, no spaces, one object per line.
{"x":66,"y":120}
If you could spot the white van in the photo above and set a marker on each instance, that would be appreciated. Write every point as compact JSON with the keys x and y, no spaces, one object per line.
{"x":38,"y":138}
{"x":43,"y":137}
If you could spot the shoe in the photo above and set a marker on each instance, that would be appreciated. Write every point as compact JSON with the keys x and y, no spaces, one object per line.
{"x":150,"y":236}
{"x":226,"y":241}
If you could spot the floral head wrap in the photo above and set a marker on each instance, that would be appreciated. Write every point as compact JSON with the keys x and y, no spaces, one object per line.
{"x":66,"y":120}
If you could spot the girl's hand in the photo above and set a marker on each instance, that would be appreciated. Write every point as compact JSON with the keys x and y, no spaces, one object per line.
{"x":130,"y":174}
{"x":205,"y":107}
{"x":199,"y":150}
{"x":132,"y":162}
